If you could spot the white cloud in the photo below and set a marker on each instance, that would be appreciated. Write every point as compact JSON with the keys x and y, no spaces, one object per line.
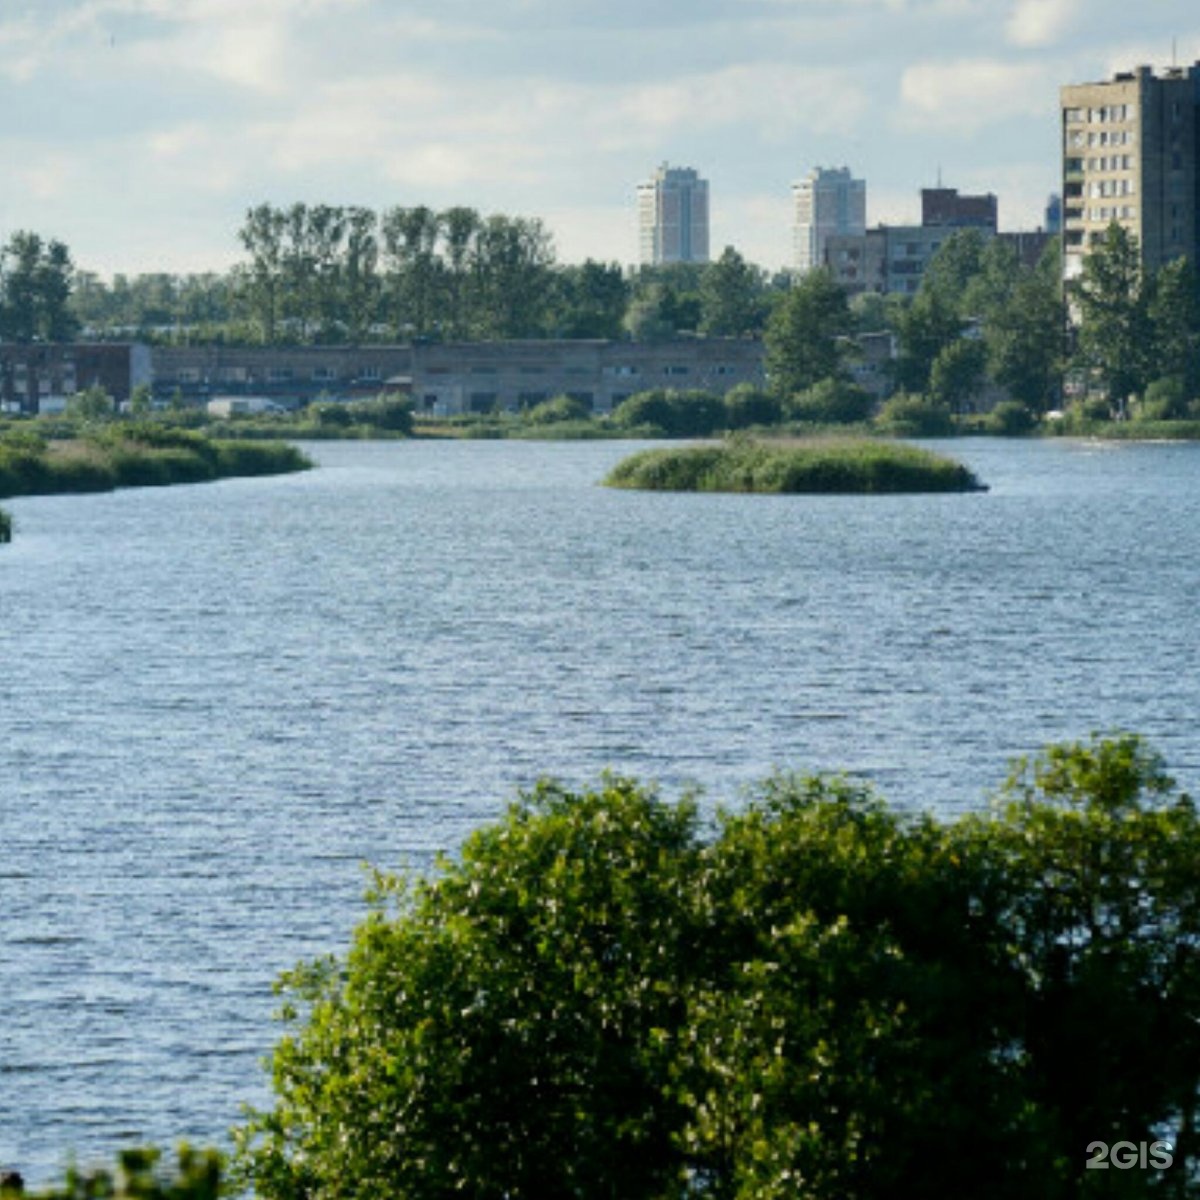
{"x":1040,"y":22}
{"x":969,"y":94}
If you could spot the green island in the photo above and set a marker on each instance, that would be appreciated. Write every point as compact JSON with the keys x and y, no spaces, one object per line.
{"x":806,"y":994}
{"x":132,"y":454}
{"x":812,"y":466}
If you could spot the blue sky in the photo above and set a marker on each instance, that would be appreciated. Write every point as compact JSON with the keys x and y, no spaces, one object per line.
{"x":139,"y":131}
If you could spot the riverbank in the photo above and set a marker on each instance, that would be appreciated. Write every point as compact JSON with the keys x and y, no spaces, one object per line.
{"x":135,"y":456}
{"x":841,"y":466}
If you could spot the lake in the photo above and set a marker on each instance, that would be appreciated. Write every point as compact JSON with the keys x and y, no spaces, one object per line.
{"x":220,"y":701}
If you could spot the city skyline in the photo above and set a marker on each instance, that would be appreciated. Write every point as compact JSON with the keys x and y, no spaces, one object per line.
{"x":140,"y":131}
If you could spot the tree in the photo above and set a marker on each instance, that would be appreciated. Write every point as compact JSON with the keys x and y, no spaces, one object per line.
{"x":35,"y":290}
{"x":957,"y":372}
{"x":1114,"y":324}
{"x":590,"y":301}
{"x":803,"y":337}
{"x":262,"y":281}
{"x":954,"y":267}
{"x":1174,"y":314}
{"x":1025,"y":340}
{"x":410,"y":238}
{"x":511,"y":268}
{"x":731,"y":297}
{"x":821,"y":997}
{"x":924,"y":329}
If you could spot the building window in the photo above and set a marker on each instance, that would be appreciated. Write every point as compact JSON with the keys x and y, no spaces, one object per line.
{"x":279,"y":374}
{"x":323,"y":374}
{"x":675,"y":370}
{"x":370,"y":374}
{"x":188,"y":375}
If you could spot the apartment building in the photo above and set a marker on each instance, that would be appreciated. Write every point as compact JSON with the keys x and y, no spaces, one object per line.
{"x":1129,"y":150}
{"x":828,"y":202}
{"x":673,"y":217}
{"x":40,"y":377}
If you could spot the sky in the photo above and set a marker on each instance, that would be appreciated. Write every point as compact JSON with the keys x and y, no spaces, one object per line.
{"x":139,"y":132}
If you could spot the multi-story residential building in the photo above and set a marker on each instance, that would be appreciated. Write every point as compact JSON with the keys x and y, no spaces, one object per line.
{"x":828,"y":203}
{"x":1129,"y":150}
{"x":673,"y":217}
{"x":943,"y":207}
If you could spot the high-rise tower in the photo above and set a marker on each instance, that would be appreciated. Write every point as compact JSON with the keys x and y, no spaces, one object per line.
{"x":828,"y":203}
{"x":673,"y":217}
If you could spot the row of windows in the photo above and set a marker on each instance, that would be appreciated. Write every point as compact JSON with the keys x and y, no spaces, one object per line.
{"x":1106,"y":112}
{"x":1105,"y":137}
{"x":1111,"y":212}
{"x":1111,"y":162}
{"x":273,"y":375}
{"x":1111,"y":187}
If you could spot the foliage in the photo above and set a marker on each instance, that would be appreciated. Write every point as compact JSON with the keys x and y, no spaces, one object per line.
{"x":35,"y":287}
{"x":5,"y":527}
{"x":923,"y":330}
{"x":135,"y":455}
{"x":915,"y":416}
{"x":747,"y":405}
{"x":840,"y":466}
{"x":92,"y":404}
{"x":590,"y":301}
{"x":141,"y":1175}
{"x":1011,"y":417}
{"x":670,"y":412}
{"x":831,"y":402}
{"x":804,"y":341}
{"x":731,"y":297}
{"x":1115,"y":326}
{"x":558,"y":409}
{"x":1166,"y":399}
{"x":1173,"y":309}
{"x":957,"y":373}
{"x":813,"y":996}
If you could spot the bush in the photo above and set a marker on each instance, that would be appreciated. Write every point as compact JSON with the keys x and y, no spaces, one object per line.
{"x":831,"y":402}
{"x":140,"y":1175}
{"x":1010,"y":417}
{"x":558,"y":409}
{"x":602,"y":996}
{"x":915,"y":416}
{"x":1166,"y":399}
{"x":673,"y":413}
{"x":747,"y":406}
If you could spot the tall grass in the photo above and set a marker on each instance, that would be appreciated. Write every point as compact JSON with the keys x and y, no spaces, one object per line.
{"x":135,"y":456}
{"x":836,"y":466}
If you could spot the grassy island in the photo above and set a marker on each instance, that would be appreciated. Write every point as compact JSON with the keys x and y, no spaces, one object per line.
{"x":850,"y":466}
{"x":137,"y":455}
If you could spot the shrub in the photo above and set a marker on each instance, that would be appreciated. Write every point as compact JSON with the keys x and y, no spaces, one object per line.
{"x":558,"y":409}
{"x":831,"y":402}
{"x":1166,"y":399}
{"x":140,"y":1175}
{"x":915,"y":416}
{"x":674,"y":413}
{"x":746,"y":406}
{"x":1010,"y":417}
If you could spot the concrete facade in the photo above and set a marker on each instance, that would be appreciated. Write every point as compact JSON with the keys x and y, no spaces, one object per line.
{"x":673,"y":217}
{"x":1129,"y":152}
{"x":446,"y":379}
{"x":828,"y":203}
{"x":40,"y":377}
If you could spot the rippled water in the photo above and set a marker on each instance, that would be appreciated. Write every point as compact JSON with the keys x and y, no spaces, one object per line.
{"x":219,"y":701}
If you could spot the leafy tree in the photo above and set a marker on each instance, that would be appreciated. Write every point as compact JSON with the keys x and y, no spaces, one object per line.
{"x":803,"y":340}
{"x":650,"y":315}
{"x":954,"y":267}
{"x":410,"y":239}
{"x":924,"y":329}
{"x":92,"y":404}
{"x":1114,"y":328}
{"x":957,"y":372}
{"x":512,"y":264}
{"x":1025,"y":339}
{"x":731,"y":296}
{"x":262,"y":236}
{"x":35,"y":290}
{"x":1174,"y":313}
{"x":822,"y":998}
{"x":590,"y":301}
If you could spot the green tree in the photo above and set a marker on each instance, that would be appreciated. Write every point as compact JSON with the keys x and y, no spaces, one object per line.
{"x":1174,"y":313}
{"x":590,"y":300}
{"x":410,"y":239}
{"x":957,"y":373}
{"x":512,"y":269}
{"x":804,"y":340}
{"x":923,"y":330}
{"x":262,"y":284}
{"x":35,"y":290}
{"x":1114,"y":324}
{"x":954,"y":267}
{"x":731,"y":296}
